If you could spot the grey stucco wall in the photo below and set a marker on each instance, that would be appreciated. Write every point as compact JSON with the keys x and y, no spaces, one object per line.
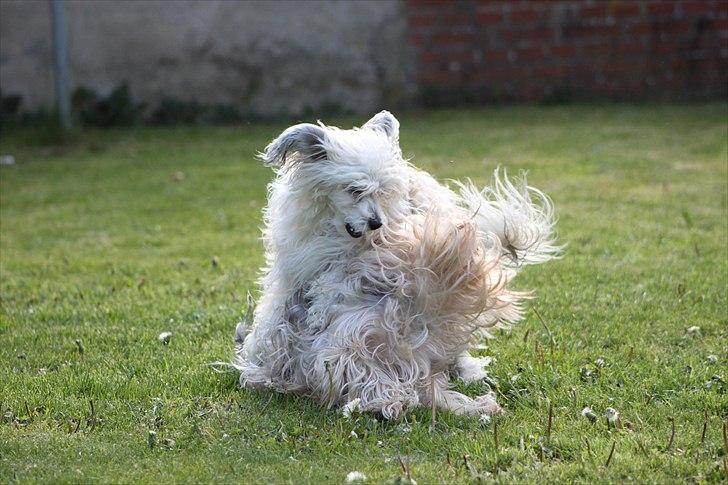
{"x":267,"y":58}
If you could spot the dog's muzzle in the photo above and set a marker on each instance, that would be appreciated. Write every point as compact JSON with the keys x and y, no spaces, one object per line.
{"x":352,"y":232}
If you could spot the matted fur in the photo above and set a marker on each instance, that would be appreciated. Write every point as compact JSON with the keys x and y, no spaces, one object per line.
{"x":350,"y":310}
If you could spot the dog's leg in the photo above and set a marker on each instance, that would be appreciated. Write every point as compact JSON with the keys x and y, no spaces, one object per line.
{"x":345,"y":373}
{"x":253,"y":372}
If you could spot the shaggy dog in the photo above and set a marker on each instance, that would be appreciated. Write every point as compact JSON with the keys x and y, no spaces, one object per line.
{"x":378,"y":279}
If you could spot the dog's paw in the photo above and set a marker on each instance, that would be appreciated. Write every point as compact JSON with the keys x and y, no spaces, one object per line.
{"x":471,"y":369}
{"x":461,"y":404}
{"x":485,"y":405}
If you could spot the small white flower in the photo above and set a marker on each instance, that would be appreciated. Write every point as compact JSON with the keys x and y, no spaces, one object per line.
{"x":353,"y":434}
{"x":589,"y":414}
{"x":351,"y":407}
{"x":355,"y":477}
{"x":484,"y":419}
{"x":694,"y":330}
{"x":164,"y":337}
{"x":712,"y":359}
{"x":612,"y":415}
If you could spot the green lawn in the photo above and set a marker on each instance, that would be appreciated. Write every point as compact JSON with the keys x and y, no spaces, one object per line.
{"x":108,"y":241}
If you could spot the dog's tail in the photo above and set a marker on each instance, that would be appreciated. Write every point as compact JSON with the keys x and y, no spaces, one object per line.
{"x":521,"y":217}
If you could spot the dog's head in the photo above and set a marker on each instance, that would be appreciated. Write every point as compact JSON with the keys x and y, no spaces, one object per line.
{"x":358,"y":174}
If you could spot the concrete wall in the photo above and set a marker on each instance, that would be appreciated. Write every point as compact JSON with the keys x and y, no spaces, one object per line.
{"x":266,"y":58}
{"x":275,"y":58}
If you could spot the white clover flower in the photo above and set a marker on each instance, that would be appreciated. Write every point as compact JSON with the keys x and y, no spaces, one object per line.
{"x":612,"y":415}
{"x":484,"y":419}
{"x":353,"y":434}
{"x":694,"y":330}
{"x":164,"y":337}
{"x":355,"y":477}
{"x":351,"y":407}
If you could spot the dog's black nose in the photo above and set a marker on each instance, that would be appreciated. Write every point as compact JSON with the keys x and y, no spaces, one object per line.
{"x":374,"y":223}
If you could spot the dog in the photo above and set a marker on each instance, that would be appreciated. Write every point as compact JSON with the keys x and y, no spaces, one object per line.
{"x":377,"y":278}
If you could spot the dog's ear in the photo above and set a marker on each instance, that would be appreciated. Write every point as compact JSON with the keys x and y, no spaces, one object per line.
{"x":385,"y":122}
{"x":303,"y":142}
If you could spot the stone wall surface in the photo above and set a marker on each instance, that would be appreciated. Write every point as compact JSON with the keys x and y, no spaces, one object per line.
{"x":288,"y":58}
{"x":262,"y":57}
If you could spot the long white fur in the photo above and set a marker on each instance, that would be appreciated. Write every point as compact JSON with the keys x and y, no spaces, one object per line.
{"x":382,"y":316}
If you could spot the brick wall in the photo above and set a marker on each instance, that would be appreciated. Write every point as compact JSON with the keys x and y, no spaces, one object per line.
{"x":527,"y":51}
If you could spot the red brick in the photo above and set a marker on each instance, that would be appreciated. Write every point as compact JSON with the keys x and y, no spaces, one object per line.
{"x":605,"y":29}
{"x":529,"y":53}
{"x":696,"y":6}
{"x":510,"y":36}
{"x":661,"y":8}
{"x":417,"y":38}
{"x":490,"y":76}
{"x":552,"y":71}
{"x":440,"y":78}
{"x":421,"y":19}
{"x":445,"y":38}
{"x":597,"y":50}
{"x":426,"y":57}
{"x":625,"y":9}
{"x":463,"y":57}
{"x":592,"y":11}
{"x":563,"y":51}
{"x":540,"y":35}
{"x":635,"y":84}
{"x":720,"y":25}
{"x":643,"y":49}
{"x":488,"y":18}
{"x":496,"y":55}
{"x":458,"y":19}
{"x":679,"y":64}
{"x":640,"y":28}
{"x":683,"y":26}
{"x":630,"y":47}
{"x":524,"y":15}
{"x":664,"y":47}
{"x":618,"y":67}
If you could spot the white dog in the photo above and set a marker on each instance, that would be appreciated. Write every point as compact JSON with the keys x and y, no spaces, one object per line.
{"x":378,"y":279}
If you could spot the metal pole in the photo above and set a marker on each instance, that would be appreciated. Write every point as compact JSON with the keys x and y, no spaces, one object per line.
{"x":60,"y":58}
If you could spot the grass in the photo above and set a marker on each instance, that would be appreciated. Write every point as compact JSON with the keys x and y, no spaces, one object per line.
{"x":108,"y":240}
